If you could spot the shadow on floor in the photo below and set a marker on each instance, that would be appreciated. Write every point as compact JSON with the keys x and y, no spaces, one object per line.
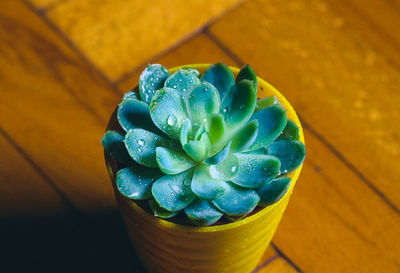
{"x":67,"y":243}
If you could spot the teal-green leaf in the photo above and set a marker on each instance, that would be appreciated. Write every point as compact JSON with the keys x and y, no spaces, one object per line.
{"x":272,"y":192}
{"x":267,"y":101}
{"x":152,"y":79}
{"x":142,"y":144}
{"x":202,"y":213}
{"x":220,"y":76}
{"x":183,"y":81}
{"x":291,"y":153}
{"x":227,"y":169}
{"x":171,"y":161}
{"x":238,"y":104}
{"x":113,"y":143}
{"x":271,"y":122}
{"x":185,"y":131}
{"x":256,"y":169}
{"x":173,"y":192}
{"x":196,"y":149}
{"x":220,"y":156}
{"x":159,"y":211}
{"x":291,"y":131}
{"x":204,"y":186}
{"x":216,"y":128}
{"x":131,"y":95}
{"x":245,"y":136}
{"x":192,"y":70}
{"x":135,"y":182}
{"x":236,"y":201}
{"x":202,"y":101}
{"x":167,"y":111}
{"x":247,"y":73}
{"x":133,"y":113}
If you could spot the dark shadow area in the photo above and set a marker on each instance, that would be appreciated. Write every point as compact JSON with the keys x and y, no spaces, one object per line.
{"x":67,"y":243}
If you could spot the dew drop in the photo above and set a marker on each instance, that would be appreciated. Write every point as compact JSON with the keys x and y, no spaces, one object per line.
{"x":140,"y":150}
{"x":171,"y":121}
{"x":174,"y":86}
{"x":180,"y":80}
{"x":140,"y":142}
{"x":233,"y":169}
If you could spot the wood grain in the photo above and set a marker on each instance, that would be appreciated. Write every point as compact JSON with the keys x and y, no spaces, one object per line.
{"x":378,"y":21}
{"x":336,"y":80}
{"x":43,"y":4}
{"x":23,"y":190}
{"x":199,"y":49}
{"x":49,"y":111}
{"x":120,"y":35}
{"x":334,"y":222}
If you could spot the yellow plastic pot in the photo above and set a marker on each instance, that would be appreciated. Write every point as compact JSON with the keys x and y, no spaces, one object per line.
{"x":237,"y":247}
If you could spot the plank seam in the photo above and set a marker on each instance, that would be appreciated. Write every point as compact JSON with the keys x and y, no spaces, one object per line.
{"x":286,"y":258}
{"x":349,"y":165}
{"x":306,"y":125}
{"x":179,"y":42}
{"x":42,"y":14}
{"x":264,"y":264}
{"x":223,"y":47}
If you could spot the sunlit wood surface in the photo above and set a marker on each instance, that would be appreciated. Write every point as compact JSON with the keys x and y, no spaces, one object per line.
{"x":64,"y":65}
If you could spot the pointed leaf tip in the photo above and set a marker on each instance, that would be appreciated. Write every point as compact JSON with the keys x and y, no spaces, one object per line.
{"x":152,"y":79}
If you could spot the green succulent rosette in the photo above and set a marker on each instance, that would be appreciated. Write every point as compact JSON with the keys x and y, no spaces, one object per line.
{"x":203,"y":145}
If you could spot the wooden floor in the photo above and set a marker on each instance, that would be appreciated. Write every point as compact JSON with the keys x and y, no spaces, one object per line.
{"x":64,"y":65}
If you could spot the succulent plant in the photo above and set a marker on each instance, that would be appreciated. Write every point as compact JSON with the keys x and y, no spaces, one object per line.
{"x":203,"y":145}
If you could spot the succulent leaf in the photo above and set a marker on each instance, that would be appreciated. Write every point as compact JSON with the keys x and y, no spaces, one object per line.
{"x":171,"y":161}
{"x":245,"y":136}
{"x":272,"y":192}
{"x":238,"y":104}
{"x":256,"y":170}
{"x":113,"y":143}
{"x":267,"y":101}
{"x":173,"y":192}
{"x":271,"y":121}
{"x":185,"y":131}
{"x":133,"y":113}
{"x":202,"y":213}
{"x":220,"y":76}
{"x":227,"y":169}
{"x":290,"y":152}
{"x":183,"y":81}
{"x":216,"y":128}
{"x":202,"y":101}
{"x":135,"y":182}
{"x":206,"y":187}
{"x":131,"y":95}
{"x":159,"y":211}
{"x":236,"y":200}
{"x":247,"y":73}
{"x":219,"y":157}
{"x":196,"y":149}
{"x":152,"y":79}
{"x":167,"y":111}
{"x":141,"y":146}
{"x":291,"y":131}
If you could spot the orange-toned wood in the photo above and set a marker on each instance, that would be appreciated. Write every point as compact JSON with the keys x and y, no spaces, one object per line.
{"x":120,"y":35}
{"x":44,"y":3}
{"x":339,"y":82}
{"x":23,"y":191}
{"x":199,"y":49}
{"x":47,"y":106}
{"x":278,"y":265}
{"x":378,"y":20}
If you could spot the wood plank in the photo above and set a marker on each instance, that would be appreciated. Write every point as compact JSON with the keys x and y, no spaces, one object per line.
{"x":329,"y":225}
{"x":49,"y":109}
{"x":131,"y":32}
{"x":335,"y":222}
{"x":199,"y":49}
{"x":23,"y":191}
{"x":43,"y":4}
{"x":336,"y":79}
{"x":377,"y":19}
{"x":278,"y":265}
